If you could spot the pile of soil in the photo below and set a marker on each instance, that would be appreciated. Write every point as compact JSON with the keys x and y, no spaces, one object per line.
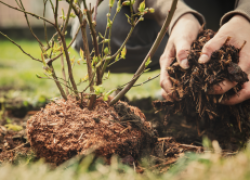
{"x":62,"y":130}
{"x":192,"y":87}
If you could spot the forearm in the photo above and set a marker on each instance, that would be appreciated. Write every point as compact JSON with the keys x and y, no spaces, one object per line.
{"x":242,"y":7}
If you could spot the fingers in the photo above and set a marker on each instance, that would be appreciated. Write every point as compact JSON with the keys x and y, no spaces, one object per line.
{"x":165,"y":82}
{"x":181,"y":52}
{"x":212,"y":45}
{"x":222,"y":87}
{"x":241,"y":96}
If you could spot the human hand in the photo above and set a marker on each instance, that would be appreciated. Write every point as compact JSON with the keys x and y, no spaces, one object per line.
{"x":238,"y":29}
{"x":184,"y":32}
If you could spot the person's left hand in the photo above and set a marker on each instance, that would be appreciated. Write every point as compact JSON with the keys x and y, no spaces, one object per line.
{"x":238,"y":29}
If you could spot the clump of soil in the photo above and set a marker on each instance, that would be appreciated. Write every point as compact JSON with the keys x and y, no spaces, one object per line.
{"x":192,"y":87}
{"x":63,"y":129}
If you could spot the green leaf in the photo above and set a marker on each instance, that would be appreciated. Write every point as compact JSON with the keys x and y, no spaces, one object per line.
{"x":99,"y":89}
{"x":146,"y":70}
{"x":141,"y":6}
{"x":72,"y":15}
{"x":105,"y":41}
{"x":126,"y":3}
{"x":117,"y":57}
{"x":151,"y":10}
{"x":128,"y":18}
{"x":13,"y":127}
{"x":81,"y":54}
{"x":38,"y":76}
{"x":148,"y":62}
{"x":119,"y":6}
{"x":123,"y":52}
{"x":111,"y":3}
{"x":106,"y":95}
{"x":106,"y":50}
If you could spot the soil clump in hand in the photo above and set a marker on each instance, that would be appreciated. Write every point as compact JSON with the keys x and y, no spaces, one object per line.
{"x":193,"y":88}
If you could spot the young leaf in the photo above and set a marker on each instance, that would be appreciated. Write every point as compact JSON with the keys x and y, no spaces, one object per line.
{"x":111,"y":3}
{"x":128,"y":18}
{"x":38,"y":76}
{"x":126,"y":3}
{"x":117,"y":57}
{"x":148,"y":62}
{"x":151,"y":10}
{"x":141,"y":6}
{"x":105,"y":41}
{"x":72,"y":15}
{"x":81,"y":54}
{"x":123,"y":53}
{"x":118,"y":6}
{"x":146,"y":70}
{"x":85,"y":78}
{"x":106,"y":50}
{"x":99,"y":89}
{"x":13,"y":127}
{"x":106,"y":95}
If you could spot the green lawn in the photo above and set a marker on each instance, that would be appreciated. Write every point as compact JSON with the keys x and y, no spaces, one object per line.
{"x":19,"y":72}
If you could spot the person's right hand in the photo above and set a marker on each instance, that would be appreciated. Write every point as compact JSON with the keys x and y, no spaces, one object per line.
{"x":184,"y":32}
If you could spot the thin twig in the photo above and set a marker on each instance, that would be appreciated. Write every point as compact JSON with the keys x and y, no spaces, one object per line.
{"x":44,"y":23}
{"x":98,"y":2}
{"x":20,"y":47}
{"x":94,"y":41}
{"x":28,"y":23}
{"x":56,"y":13}
{"x":70,"y":73}
{"x":63,"y":73}
{"x":150,"y":53}
{"x":32,"y":14}
{"x":68,"y":16}
{"x":110,"y":8}
{"x":57,"y":82}
{"x":150,"y":79}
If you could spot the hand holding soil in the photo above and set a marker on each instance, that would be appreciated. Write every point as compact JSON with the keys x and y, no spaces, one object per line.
{"x":183,"y":34}
{"x":237,"y":28}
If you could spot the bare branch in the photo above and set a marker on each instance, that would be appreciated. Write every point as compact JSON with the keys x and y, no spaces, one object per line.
{"x":56,"y":12}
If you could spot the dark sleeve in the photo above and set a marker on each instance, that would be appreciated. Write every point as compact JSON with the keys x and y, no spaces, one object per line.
{"x":242,"y":7}
{"x":162,"y":8}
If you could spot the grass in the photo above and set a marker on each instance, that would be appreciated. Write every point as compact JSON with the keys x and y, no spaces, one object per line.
{"x":207,"y":166}
{"x":18,"y":71}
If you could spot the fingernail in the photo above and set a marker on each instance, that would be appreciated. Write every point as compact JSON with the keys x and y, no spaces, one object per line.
{"x":203,"y":58}
{"x":184,"y":64}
